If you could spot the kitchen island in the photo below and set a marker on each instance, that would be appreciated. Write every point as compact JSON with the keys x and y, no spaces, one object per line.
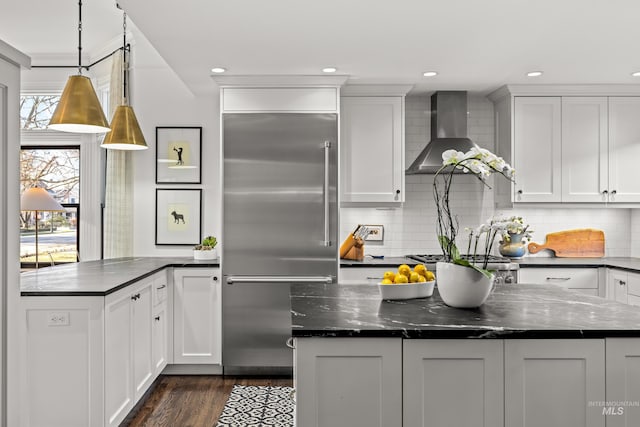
{"x":95,"y":335}
{"x":532,"y":355}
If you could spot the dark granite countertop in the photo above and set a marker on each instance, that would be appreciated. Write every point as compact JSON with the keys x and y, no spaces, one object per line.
{"x":511,"y":311}
{"x":623,"y":263}
{"x":98,"y":278}
{"x":387,"y":261}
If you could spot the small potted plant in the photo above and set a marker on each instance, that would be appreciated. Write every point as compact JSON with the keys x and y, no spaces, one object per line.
{"x":207,"y":249}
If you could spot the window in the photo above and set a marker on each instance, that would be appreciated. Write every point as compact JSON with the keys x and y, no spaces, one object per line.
{"x":36,"y":110}
{"x":57,"y":170}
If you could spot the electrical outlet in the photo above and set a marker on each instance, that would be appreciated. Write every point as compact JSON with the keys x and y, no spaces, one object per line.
{"x":376,"y":233}
{"x":58,"y":318}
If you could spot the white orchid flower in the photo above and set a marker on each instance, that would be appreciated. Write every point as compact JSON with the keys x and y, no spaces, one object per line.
{"x":451,"y":157}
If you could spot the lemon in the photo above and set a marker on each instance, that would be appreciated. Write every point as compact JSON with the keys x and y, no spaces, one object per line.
{"x":414,"y":277}
{"x":404,"y":269}
{"x":401,"y":278}
{"x":387,"y":282}
{"x":420,"y":269}
{"x":421,"y":278}
{"x":389,"y":275}
{"x":429,"y":276}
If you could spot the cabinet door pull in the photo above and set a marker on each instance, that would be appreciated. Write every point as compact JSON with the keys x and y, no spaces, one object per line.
{"x":290,"y":343}
{"x":157,"y":318}
{"x":161,"y":287}
{"x":622,"y":283}
{"x":397,"y":191}
{"x":135,"y":297}
{"x":215,"y":278}
{"x":563,"y":279}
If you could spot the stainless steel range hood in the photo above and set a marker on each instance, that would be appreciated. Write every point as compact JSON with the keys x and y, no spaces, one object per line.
{"x":448,"y":131}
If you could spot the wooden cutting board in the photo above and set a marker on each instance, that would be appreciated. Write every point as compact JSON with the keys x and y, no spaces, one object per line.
{"x":579,"y":243}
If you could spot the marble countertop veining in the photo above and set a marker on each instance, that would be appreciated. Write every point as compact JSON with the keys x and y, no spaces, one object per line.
{"x":511,"y":311}
{"x":98,"y":278}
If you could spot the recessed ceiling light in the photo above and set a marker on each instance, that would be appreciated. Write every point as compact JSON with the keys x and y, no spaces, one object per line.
{"x":218,"y":70}
{"x":534,"y":73}
{"x":636,"y":74}
{"x":430,"y":73}
{"x":329,"y":70}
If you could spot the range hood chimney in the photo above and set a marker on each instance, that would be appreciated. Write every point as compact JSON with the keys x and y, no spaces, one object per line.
{"x":448,"y":131}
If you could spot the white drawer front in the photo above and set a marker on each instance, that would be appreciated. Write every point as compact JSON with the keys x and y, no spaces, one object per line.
{"x":572,"y":278}
{"x":362,"y":275}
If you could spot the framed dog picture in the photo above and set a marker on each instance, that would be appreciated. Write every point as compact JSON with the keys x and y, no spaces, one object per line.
{"x":178,"y":155}
{"x":178,"y":216}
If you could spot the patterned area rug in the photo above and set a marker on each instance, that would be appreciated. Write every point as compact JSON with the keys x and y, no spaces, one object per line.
{"x":258,"y":406}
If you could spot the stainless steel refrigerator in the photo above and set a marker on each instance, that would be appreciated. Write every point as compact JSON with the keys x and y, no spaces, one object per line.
{"x":280,"y":229}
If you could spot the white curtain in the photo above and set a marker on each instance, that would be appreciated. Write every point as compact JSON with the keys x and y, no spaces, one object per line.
{"x":118,"y":209}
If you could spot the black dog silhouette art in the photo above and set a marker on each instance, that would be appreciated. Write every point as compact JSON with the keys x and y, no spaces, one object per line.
{"x":177,"y":217}
{"x":179,"y":151}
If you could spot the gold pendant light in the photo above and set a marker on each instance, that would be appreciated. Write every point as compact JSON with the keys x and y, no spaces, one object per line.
{"x":125,"y":131}
{"x":79,"y":110}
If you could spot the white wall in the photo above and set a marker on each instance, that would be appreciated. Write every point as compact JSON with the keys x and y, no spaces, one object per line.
{"x":412,"y":228}
{"x":159,"y":98}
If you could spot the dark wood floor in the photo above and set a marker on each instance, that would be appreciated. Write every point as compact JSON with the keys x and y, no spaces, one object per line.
{"x":190,"y":400}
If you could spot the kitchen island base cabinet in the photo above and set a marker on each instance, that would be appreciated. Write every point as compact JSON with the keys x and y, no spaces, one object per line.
{"x":452,"y":383}
{"x":554,"y":383}
{"x":129,"y":365}
{"x":348,"y":382}
{"x":87,"y":360}
{"x":623,"y":383}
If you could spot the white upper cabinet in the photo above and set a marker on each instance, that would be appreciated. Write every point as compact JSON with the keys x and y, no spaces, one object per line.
{"x":537,"y":149}
{"x":585,"y":166}
{"x":624,"y":149}
{"x":372,"y":149}
{"x":569,"y":146}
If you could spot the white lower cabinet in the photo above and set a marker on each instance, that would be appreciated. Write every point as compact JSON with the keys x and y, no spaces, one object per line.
{"x":467,"y":383}
{"x":623,"y":383}
{"x":129,"y":367}
{"x":584,"y":280}
{"x":197,"y":316}
{"x":160,"y":338}
{"x":355,"y":382}
{"x":452,"y":383}
{"x":623,"y":286}
{"x":554,"y":382}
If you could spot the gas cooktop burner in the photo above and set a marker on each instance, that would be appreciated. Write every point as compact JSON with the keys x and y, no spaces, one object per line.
{"x":432,"y":258}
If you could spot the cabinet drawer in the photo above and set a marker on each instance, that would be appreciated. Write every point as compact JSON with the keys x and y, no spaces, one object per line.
{"x":362,"y":276}
{"x":571,"y":278}
{"x":159,"y":288}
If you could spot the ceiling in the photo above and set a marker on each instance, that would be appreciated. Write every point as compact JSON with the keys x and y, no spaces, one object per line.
{"x":475,"y":45}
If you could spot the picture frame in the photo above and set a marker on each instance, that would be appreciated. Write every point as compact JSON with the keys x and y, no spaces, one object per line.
{"x":178,"y":155}
{"x":178,"y":216}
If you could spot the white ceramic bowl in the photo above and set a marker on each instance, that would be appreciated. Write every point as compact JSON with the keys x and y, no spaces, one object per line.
{"x":398,"y":291}
{"x":425,"y":289}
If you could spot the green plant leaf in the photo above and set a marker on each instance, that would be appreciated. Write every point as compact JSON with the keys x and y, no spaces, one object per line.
{"x":465,"y":263}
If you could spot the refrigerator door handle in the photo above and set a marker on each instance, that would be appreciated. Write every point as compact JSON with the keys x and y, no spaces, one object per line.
{"x":327,"y":147}
{"x":279,"y":279}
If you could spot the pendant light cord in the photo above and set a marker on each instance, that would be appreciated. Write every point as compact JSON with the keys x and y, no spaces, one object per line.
{"x":79,"y":36}
{"x":125,"y":65}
